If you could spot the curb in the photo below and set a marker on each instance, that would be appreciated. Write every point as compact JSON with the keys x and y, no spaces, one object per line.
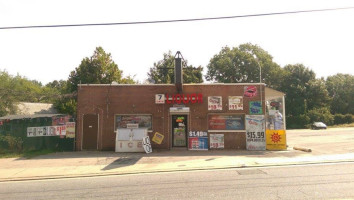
{"x":242,"y":166}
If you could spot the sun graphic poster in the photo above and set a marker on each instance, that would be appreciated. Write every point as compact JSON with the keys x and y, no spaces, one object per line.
{"x":276,"y":139}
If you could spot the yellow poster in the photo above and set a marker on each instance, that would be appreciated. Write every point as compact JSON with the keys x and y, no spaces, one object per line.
{"x":158,"y":138}
{"x":276,"y":139}
{"x":70,"y":129}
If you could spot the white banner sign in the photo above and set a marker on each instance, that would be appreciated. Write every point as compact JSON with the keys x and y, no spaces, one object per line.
{"x":235,"y":103}
{"x":46,"y":131}
{"x":255,"y":132}
{"x":216,"y":141}
{"x":215,"y":103}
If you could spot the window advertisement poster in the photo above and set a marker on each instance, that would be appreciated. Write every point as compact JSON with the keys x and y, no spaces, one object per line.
{"x":235,"y":103}
{"x":250,"y":91}
{"x":179,"y":136}
{"x":198,"y":140}
{"x":216,"y":141}
{"x":226,"y":122}
{"x":276,"y":139}
{"x":255,"y":107}
{"x":275,"y":120}
{"x":144,"y":121}
{"x":70,"y":129}
{"x":158,"y":138}
{"x":215,"y":103}
{"x":255,"y":132}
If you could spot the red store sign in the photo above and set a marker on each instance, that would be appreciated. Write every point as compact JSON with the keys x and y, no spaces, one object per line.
{"x":184,"y":98}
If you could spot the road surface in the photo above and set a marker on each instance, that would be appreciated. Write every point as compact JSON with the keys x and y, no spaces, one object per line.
{"x":321,"y":181}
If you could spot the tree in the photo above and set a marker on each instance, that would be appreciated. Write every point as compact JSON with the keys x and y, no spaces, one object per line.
{"x":163,"y":71}
{"x":341,"y":89}
{"x":98,"y":69}
{"x":15,"y":89}
{"x":7,"y":98}
{"x":296,"y":88}
{"x":317,"y":95}
{"x":242,"y":65}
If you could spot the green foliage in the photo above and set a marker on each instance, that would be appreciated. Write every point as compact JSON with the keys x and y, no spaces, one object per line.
{"x":317,"y":95}
{"x":66,"y":105}
{"x":296,"y":122}
{"x":163,"y":71}
{"x":98,"y":69}
{"x":321,"y":115}
{"x":343,"y":119}
{"x":341,"y":89}
{"x":14,"y":144}
{"x":296,"y":87}
{"x":15,"y":89}
{"x":242,"y":65}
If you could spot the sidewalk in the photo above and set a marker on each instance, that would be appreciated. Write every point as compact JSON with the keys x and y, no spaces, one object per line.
{"x":96,"y":163}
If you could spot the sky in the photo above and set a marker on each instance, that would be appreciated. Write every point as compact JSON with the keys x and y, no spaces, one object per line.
{"x":322,"y":41}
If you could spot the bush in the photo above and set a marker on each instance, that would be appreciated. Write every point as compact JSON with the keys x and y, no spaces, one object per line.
{"x":14,"y":144}
{"x":343,"y":119}
{"x":339,"y":119}
{"x":349,"y":118}
{"x":321,"y":115}
{"x":297,"y":122}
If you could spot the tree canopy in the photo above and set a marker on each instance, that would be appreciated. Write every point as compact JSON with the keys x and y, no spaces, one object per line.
{"x":98,"y":69}
{"x":341,"y":89}
{"x":163,"y":71}
{"x":242,"y":65}
{"x":15,"y":89}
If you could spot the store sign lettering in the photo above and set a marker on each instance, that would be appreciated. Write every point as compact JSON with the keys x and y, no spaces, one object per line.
{"x":184,"y":98}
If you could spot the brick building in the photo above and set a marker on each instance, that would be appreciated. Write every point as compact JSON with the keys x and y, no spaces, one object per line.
{"x":204,"y":116}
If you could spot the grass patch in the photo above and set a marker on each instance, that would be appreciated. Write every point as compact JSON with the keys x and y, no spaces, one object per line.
{"x":342,"y":126}
{"x":27,"y":154}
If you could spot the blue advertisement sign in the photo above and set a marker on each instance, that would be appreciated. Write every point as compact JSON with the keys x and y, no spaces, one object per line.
{"x":256,"y":107}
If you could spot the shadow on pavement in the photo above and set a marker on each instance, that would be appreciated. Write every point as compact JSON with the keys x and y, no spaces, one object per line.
{"x":121,"y":162}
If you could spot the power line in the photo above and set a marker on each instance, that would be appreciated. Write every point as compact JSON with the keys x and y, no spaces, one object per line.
{"x":176,"y":20}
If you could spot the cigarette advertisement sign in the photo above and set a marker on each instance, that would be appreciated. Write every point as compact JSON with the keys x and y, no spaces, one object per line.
{"x":158,"y":138}
{"x":70,"y":129}
{"x":198,"y":140}
{"x":255,"y":132}
{"x":215,"y":103}
{"x":235,"y":103}
{"x":250,"y":91}
{"x":216,"y":141}
{"x":256,"y":107}
{"x":276,"y":140}
{"x":226,"y":122}
{"x":46,"y":131}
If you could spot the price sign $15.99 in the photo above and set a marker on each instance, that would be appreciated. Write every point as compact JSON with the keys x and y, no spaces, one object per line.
{"x":251,"y":135}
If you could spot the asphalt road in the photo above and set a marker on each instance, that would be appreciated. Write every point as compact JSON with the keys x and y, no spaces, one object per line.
{"x":292,"y":182}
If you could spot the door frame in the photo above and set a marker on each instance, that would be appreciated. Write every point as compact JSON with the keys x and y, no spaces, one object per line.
{"x":82,"y":128}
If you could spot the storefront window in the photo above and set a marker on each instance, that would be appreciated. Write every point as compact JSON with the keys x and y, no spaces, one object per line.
{"x":144,"y":121}
{"x":275,"y":114}
{"x":226,"y":122}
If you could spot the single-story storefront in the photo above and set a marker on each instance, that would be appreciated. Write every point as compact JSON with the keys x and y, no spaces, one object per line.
{"x":204,"y":116}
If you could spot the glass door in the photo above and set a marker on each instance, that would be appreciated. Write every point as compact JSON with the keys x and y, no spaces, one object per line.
{"x":179,"y":130}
